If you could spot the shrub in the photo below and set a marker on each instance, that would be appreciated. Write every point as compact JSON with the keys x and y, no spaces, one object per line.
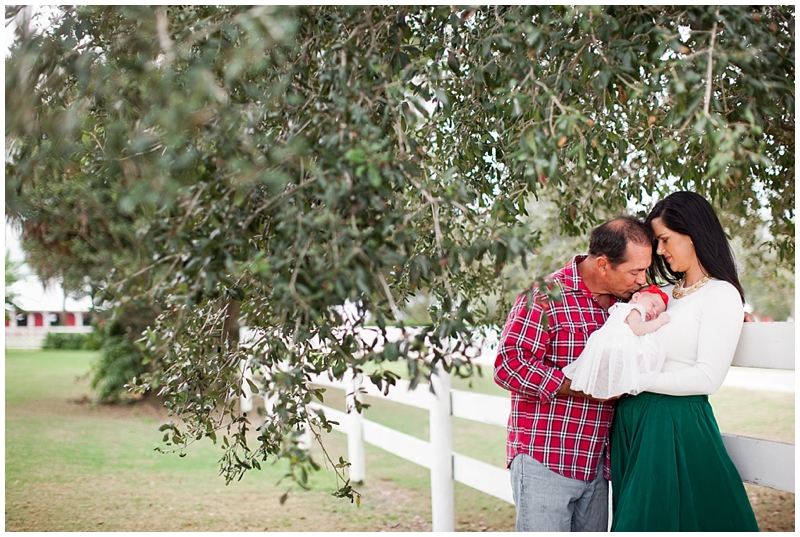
{"x":119,"y":361}
{"x":57,"y":340}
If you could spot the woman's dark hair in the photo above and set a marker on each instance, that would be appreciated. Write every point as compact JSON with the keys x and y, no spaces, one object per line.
{"x":611,"y":239}
{"x":690,"y":214}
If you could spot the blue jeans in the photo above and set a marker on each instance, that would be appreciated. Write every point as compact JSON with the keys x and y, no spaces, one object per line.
{"x":547,"y":501}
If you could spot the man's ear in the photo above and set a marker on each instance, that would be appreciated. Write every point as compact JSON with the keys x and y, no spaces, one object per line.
{"x":602,"y":264}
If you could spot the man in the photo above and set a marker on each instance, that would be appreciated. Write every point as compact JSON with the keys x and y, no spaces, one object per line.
{"x":557,"y":437}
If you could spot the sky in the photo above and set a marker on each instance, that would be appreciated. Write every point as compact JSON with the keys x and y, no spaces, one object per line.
{"x":32,"y":294}
{"x":12,"y":245}
{"x":11,"y":239}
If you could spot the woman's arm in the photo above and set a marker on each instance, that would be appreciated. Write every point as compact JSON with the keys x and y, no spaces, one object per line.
{"x":720,"y":309}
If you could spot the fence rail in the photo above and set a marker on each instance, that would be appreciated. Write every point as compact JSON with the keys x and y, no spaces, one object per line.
{"x":761,"y":462}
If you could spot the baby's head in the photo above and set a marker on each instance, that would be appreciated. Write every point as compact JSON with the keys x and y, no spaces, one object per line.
{"x":653,"y":299}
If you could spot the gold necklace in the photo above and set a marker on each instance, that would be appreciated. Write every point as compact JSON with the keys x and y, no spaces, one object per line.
{"x":679,"y":291}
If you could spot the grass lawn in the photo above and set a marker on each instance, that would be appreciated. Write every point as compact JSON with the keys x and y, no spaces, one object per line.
{"x":75,"y":466}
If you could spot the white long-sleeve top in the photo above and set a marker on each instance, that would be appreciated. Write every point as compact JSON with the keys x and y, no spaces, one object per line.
{"x":700,"y":340}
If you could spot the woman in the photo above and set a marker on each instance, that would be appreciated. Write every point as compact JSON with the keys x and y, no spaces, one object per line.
{"x":670,"y":469}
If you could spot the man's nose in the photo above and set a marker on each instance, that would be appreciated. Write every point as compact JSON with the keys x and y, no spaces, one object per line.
{"x":641,"y":279}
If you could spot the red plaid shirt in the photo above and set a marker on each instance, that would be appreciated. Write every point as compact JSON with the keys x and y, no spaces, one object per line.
{"x":566,"y":434}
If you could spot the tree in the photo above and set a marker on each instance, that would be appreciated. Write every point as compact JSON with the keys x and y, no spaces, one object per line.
{"x":769,"y":285}
{"x":76,"y":231}
{"x":280,"y":162}
{"x":12,"y":277}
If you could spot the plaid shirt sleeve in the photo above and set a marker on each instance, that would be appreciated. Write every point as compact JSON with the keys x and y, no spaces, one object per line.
{"x":520,"y":365}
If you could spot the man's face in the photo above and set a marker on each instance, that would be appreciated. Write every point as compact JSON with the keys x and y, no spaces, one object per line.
{"x":629,"y":276}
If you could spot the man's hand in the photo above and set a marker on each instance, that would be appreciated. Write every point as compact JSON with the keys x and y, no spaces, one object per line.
{"x":565,"y":391}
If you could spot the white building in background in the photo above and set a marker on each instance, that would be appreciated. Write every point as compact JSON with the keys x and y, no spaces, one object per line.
{"x":41,"y":310}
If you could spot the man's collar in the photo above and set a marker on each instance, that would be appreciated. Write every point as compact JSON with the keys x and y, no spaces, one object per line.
{"x":573,"y":280}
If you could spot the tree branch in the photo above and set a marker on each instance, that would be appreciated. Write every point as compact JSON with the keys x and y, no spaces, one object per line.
{"x":392,"y":304}
{"x":710,"y":70}
{"x":275,"y":199}
{"x":162,"y":29}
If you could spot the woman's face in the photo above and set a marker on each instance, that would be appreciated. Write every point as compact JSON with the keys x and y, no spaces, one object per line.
{"x":677,"y":249}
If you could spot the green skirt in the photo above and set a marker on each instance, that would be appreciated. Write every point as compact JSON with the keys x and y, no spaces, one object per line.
{"x":670,"y":470}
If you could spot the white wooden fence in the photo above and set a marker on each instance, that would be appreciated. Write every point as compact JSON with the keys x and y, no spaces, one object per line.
{"x":761,"y":462}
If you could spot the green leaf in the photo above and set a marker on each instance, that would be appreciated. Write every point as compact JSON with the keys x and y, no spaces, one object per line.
{"x":356,"y":156}
{"x":453,"y":63}
{"x":253,"y":387}
{"x":374,"y":176}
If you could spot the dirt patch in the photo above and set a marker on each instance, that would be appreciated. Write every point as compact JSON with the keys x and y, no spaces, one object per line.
{"x":145,"y":407}
{"x":774,"y":509}
{"x":416,"y":523}
{"x":384,"y":495}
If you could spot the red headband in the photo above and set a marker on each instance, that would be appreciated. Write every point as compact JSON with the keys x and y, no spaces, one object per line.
{"x":656,"y":291}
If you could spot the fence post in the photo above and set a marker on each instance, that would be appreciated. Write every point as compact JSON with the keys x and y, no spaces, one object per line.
{"x":355,"y":429}
{"x":443,"y":512}
{"x":246,"y":399}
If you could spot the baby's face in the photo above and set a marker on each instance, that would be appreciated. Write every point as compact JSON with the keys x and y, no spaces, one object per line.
{"x":653,"y":304}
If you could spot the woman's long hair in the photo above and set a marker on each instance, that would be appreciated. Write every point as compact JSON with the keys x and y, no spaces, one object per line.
{"x":690,"y":214}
